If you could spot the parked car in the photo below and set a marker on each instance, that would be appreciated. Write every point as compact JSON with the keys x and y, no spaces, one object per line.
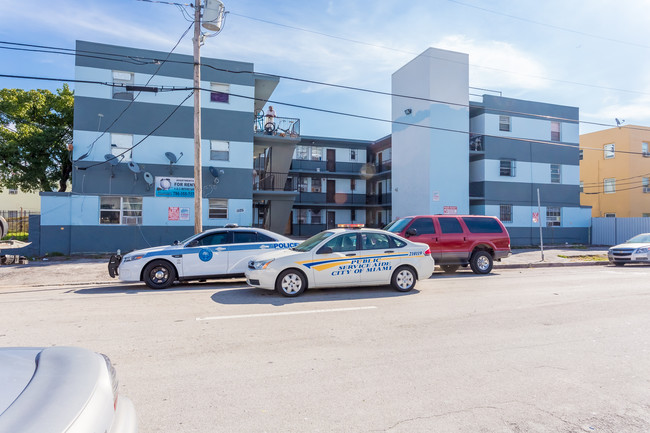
{"x":634,"y":250}
{"x":457,"y":240}
{"x":216,"y":253}
{"x":61,"y":389}
{"x":343,"y":257}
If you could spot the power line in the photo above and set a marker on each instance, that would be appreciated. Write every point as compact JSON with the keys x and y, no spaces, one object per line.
{"x":132,"y":59}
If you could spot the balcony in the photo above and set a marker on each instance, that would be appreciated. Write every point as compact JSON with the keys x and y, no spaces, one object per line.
{"x":476,"y":143}
{"x":269,"y":181}
{"x":379,"y":199}
{"x":277,"y":127}
{"x":383,"y":166}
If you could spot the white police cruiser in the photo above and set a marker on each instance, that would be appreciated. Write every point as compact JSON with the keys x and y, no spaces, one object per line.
{"x":343,"y":257}
{"x":216,"y":253}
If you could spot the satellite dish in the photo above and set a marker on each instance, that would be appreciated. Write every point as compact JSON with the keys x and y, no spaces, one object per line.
{"x":214,"y":171}
{"x":114,"y":160}
{"x":134,"y":167}
{"x":149,"y":179}
{"x":171,"y":157}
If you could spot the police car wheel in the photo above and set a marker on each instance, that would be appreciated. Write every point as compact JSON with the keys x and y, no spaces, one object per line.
{"x":481,"y":262}
{"x":291,"y":283}
{"x":403,"y":279}
{"x":159,"y":274}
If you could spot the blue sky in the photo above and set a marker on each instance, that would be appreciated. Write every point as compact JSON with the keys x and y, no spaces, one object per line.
{"x":591,"y":54}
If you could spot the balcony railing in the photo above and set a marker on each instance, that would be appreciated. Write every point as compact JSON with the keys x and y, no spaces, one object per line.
{"x":268,"y":181}
{"x":277,"y":126}
{"x":383,"y":166}
{"x":476,"y":143}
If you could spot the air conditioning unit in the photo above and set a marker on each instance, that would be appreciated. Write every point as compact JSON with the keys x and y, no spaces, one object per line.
{"x":131,"y":220}
{"x":646,"y":154}
{"x":646,"y":189}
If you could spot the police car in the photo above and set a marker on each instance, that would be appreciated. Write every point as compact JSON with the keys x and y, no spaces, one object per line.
{"x":215,"y":253}
{"x":343,"y":257}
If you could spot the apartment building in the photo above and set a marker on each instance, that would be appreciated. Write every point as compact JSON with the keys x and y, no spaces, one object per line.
{"x":615,"y":172}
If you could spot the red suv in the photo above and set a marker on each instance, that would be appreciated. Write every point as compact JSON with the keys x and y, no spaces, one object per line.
{"x":457,"y":240}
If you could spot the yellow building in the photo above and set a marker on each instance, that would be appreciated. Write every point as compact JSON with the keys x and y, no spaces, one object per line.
{"x":15,"y":200}
{"x":615,"y":172}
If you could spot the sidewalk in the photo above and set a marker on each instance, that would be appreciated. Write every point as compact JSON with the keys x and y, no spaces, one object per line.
{"x":554,"y":256}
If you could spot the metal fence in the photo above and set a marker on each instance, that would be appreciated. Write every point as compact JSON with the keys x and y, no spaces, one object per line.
{"x":612,"y":231}
{"x":18,"y":222}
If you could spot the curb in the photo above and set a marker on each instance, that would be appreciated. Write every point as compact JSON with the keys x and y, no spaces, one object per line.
{"x":548,"y":265}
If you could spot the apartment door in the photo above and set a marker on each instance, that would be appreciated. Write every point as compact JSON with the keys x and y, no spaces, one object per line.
{"x":331,"y":219}
{"x":331,"y":190}
{"x":331,"y":159}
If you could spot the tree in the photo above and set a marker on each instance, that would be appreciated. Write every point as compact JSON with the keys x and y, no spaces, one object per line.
{"x":35,"y":131}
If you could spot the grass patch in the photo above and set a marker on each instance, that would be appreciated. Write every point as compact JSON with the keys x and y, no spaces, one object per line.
{"x":586,"y":257}
{"x":16,"y":236}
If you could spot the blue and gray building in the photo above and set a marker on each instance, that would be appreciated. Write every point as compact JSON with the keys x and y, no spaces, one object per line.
{"x":133,"y":187}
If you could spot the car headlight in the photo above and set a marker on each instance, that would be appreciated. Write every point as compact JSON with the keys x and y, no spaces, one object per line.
{"x":261,"y":264}
{"x":643,"y":250}
{"x":131,"y":258}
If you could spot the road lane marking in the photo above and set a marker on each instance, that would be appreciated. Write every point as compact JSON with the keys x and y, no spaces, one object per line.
{"x":286,"y":313}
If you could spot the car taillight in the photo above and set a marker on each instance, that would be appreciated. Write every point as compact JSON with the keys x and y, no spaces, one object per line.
{"x":427,"y":252}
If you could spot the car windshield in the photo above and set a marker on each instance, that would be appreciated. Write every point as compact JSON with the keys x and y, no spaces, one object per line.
{"x":312,"y":242}
{"x":398,"y":225}
{"x":183,"y":242}
{"x":640,"y":239}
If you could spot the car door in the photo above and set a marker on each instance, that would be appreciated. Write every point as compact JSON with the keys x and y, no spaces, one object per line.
{"x":246,"y":244}
{"x":426,"y":233}
{"x":207,"y":255}
{"x":377,"y":259}
{"x":334,"y":263}
{"x":452,"y":240}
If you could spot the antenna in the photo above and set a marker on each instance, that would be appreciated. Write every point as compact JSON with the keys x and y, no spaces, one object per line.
{"x":149,"y":179}
{"x":135,"y":168}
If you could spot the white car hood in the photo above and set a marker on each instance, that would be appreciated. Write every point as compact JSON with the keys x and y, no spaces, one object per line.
{"x":154,"y":250}
{"x":277,"y":254}
{"x":633,"y":245}
{"x":17,"y":367}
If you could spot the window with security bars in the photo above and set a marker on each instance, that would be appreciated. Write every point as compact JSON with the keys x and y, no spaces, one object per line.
{"x":609,"y":185}
{"x":219,"y":150}
{"x":217,"y":208}
{"x":13,"y":191}
{"x":121,"y":79}
{"x":504,"y":123}
{"x":507,"y":167}
{"x":315,"y":216}
{"x":316,"y":184}
{"x":121,"y":146}
{"x":556,"y":176}
{"x":301,"y":216}
{"x":644,"y":149}
{"x":302,"y":152}
{"x":553,"y":217}
{"x":120,"y":210}
{"x":219,"y":92}
{"x":609,"y":151}
{"x":555,"y":131}
{"x":505,"y":213}
{"x":646,"y":184}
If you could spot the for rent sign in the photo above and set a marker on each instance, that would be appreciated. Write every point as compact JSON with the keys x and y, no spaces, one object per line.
{"x":174,"y":187}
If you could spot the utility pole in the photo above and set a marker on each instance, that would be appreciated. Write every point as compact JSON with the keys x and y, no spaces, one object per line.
{"x":198,"y":182}
{"x":539,"y":218}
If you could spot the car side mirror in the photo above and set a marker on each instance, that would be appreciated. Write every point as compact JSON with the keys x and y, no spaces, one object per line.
{"x":411,"y":232}
{"x":325,"y":250}
{"x":176,"y":242}
{"x":194,"y":243}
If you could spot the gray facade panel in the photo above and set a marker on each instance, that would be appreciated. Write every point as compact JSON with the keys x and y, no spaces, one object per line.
{"x":233,"y":183}
{"x":335,"y":142}
{"x":521,"y":108}
{"x":525,"y":194}
{"x":527,"y":236}
{"x":110,"y":57}
{"x":503,"y":148}
{"x":142,"y":118}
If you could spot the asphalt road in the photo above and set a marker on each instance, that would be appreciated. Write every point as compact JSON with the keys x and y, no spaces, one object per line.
{"x":520,"y":350}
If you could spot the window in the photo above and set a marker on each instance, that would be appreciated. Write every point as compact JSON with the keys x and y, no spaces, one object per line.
{"x":374,"y":241}
{"x":122,"y":79}
{"x":219,"y":150}
{"x":13,"y":191}
{"x":353,"y":154}
{"x":120,"y":210}
{"x":504,"y":123}
{"x":424,"y":226}
{"x":345,"y":242}
{"x":261,"y":237}
{"x":556,"y":173}
{"x":483,"y":225}
{"x":353,"y":214}
{"x":315,"y":216}
{"x":316,"y":184}
{"x":645,"y":181}
{"x":581,"y":154}
{"x":609,"y":185}
{"x":302,"y":216}
{"x":644,"y":148}
{"x":303,"y":184}
{"x":353,"y":184}
{"x":316,"y":153}
{"x":450,"y":225}
{"x":121,"y":145}
{"x":302,"y":152}
{"x":610,"y":215}
{"x":555,"y":131}
{"x":505,"y":213}
{"x":582,"y":186}
{"x":507,"y":167}
{"x":244,"y":237}
{"x":609,"y":151}
{"x":219,"y":92}
{"x":217,"y":208}
{"x":553,"y":217}
{"x":218,"y":238}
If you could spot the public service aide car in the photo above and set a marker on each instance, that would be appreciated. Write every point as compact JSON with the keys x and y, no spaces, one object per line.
{"x":343,"y":257}
{"x":216,"y":253}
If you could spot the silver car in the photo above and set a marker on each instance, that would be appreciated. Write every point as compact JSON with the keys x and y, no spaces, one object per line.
{"x":634,"y":250}
{"x":61,"y":389}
